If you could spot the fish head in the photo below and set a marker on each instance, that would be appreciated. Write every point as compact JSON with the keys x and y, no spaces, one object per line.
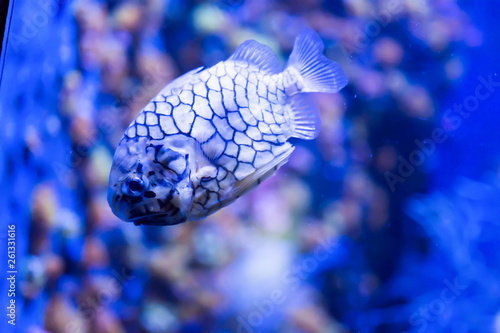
{"x":150,"y":183}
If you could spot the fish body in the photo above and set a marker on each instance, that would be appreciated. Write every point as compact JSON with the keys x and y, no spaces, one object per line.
{"x":213,"y":134}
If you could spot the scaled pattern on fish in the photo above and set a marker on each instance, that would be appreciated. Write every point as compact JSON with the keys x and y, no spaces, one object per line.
{"x":213,"y":134}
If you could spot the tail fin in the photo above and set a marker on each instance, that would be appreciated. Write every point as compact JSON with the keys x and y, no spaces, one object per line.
{"x":318,"y":73}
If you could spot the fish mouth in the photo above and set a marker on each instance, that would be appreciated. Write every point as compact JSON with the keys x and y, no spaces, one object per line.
{"x":156,"y":212}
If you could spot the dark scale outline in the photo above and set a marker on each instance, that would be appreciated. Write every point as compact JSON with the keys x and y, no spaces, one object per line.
{"x":264,"y":117}
{"x":272,"y":92}
{"x":173,"y":121}
{"x":161,"y":131}
{"x":261,"y":83}
{"x":134,"y":125}
{"x":227,"y":122}
{"x":225,"y":147}
{"x":257,"y":150}
{"x":243,"y":133}
{"x":209,"y":120}
{"x":261,"y":151}
{"x":248,"y":91}
{"x":154,"y":103}
{"x":200,"y":191}
{"x":252,"y":148}
{"x":230,"y":79}
{"x":237,"y":166}
{"x":140,"y":135}
{"x":208,"y":104}
{"x":264,"y":124}
{"x":184,"y":118}
{"x":206,"y":184}
{"x":245,"y":97}
{"x":140,"y":116}
{"x":219,"y":168}
{"x":247,"y":107}
{"x":192,"y":124}
{"x":206,"y":90}
{"x":173,"y":106}
{"x":231,"y":158}
{"x":162,"y":114}
{"x":278,"y":108}
{"x":217,"y":196}
{"x":239,"y":85}
{"x":254,"y":140}
{"x":146,"y":115}
{"x":277,"y":132}
{"x":234,"y":67}
{"x":214,"y":77}
{"x":197,"y":203}
{"x":268,"y":110}
{"x":269,"y":140}
{"x":275,"y":98}
{"x":221,"y":66}
{"x":261,"y":113}
{"x":234,"y":92}
{"x":222,"y":102}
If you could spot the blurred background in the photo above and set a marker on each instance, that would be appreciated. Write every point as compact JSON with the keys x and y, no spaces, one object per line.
{"x":388,"y":222}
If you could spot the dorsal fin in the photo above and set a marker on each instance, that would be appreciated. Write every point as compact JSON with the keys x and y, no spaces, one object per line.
{"x":257,"y":54}
{"x":318,"y":73}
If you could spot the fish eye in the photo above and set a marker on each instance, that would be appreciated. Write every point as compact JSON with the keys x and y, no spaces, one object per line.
{"x":134,"y":186}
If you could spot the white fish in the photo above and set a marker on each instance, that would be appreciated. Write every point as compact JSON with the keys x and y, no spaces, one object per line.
{"x":213,"y":134}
